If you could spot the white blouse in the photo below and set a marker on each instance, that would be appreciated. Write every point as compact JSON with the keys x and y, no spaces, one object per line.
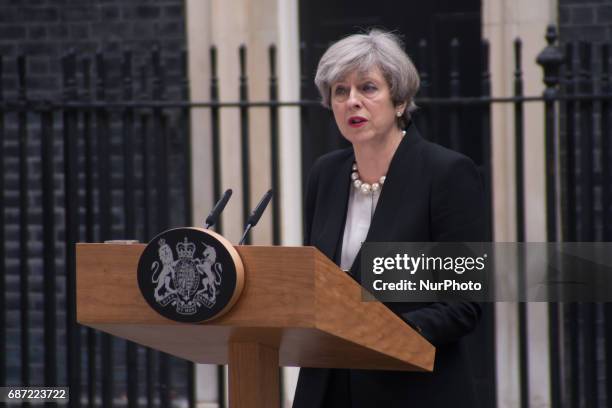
{"x":358,"y":218}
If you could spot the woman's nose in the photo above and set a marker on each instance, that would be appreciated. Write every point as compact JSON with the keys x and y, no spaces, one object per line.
{"x":353,"y":99}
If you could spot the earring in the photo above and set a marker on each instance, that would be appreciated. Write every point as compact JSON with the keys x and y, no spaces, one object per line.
{"x":399,"y":114}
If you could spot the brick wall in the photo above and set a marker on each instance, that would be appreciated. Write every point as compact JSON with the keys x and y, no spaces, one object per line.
{"x":44,"y":30}
{"x":589,"y":20}
{"x":586,"y":21}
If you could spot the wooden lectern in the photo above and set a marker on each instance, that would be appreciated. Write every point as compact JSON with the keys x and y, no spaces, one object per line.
{"x":297,"y":309}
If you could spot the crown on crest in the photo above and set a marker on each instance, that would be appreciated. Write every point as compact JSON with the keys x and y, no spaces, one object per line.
{"x":185,"y":249}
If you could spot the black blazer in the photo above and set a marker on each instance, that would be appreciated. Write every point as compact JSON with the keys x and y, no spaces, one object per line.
{"x":430,"y":194}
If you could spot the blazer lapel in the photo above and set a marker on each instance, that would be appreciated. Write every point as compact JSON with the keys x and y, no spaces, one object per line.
{"x":338,"y":190}
{"x":389,"y":204}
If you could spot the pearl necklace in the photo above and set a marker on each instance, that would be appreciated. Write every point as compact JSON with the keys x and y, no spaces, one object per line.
{"x":367,"y":188}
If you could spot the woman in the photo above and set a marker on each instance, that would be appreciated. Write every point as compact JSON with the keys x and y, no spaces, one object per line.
{"x":390,"y":186}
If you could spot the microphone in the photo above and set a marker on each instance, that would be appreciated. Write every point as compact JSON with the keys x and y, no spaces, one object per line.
{"x":256,"y":215}
{"x":213,"y":217}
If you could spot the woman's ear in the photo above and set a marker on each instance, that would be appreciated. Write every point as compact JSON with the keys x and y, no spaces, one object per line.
{"x":400,"y":109}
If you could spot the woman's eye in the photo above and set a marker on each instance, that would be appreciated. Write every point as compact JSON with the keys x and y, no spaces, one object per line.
{"x":369,"y":88}
{"x":340,"y":91}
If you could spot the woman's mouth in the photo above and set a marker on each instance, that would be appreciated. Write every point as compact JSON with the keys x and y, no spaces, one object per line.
{"x":357,"y":121}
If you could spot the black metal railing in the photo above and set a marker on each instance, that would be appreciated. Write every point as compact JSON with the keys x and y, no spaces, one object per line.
{"x":104,"y":161}
{"x":85,"y":171}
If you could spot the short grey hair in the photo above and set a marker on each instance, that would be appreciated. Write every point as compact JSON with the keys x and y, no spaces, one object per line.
{"x":362,"y":52}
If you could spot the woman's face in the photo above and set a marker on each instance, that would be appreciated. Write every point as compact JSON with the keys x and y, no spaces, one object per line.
{"x":363,"y":108}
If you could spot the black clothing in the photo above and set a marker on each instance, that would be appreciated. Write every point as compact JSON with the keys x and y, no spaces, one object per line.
{"x":431,"y":194}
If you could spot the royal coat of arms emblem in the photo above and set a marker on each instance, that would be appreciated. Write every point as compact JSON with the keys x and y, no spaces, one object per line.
{"x":189,"y":282}
{"x":187,"y":277}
